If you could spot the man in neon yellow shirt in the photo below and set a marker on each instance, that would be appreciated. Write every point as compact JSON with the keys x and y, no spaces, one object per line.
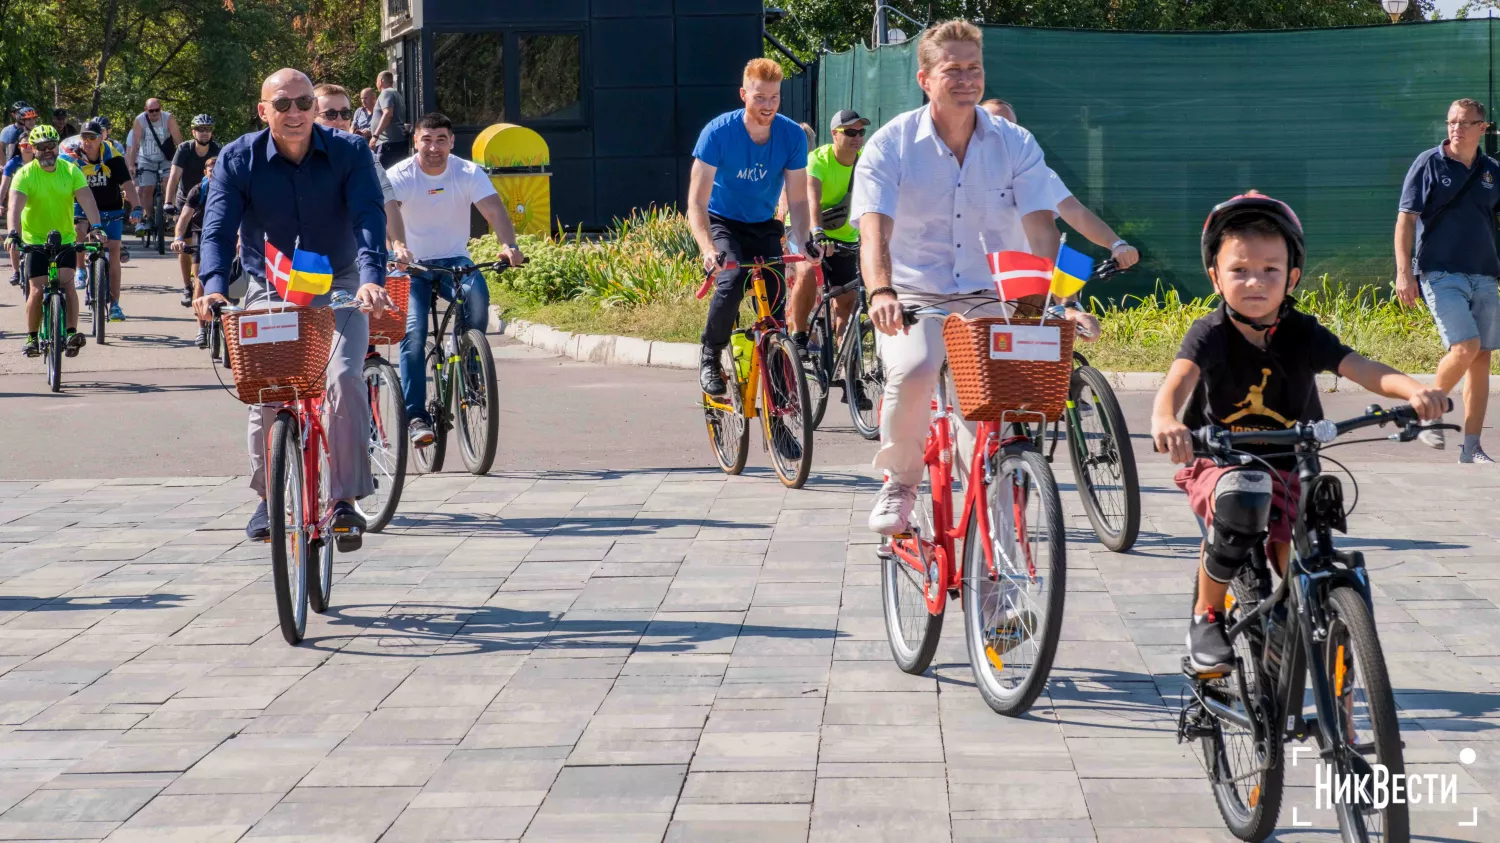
{"x":830,"y":172}
{"x":41,"y":202}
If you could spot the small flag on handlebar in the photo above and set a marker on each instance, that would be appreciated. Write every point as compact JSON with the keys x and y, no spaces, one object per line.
{"x":1072,"y":272}
{"x":300,"y":278}
{"x":1018,"y":274}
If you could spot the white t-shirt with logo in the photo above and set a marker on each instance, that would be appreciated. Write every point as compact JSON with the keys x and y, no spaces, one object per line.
{"x":435,"y":209}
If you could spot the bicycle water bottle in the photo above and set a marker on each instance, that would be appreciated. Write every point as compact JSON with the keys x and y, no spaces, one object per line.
{"x":742,"y":348}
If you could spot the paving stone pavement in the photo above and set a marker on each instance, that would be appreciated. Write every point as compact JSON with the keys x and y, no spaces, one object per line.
{"x":654,"y":655}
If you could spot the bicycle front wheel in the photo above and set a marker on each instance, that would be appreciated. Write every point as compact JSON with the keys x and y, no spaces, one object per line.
{"x":56,"y":327}
{"x":215,"y":341}
{"x":289,"y":528}
{"x":1365,"y":719}
{"x":728,"y":430}
{"x":1103,"y":460}
{"x":429,"y":460}
{"x":1013,"y":614}
{"x":476,"y":402}
{"x":99,"y":310}
{"x":819,"y":365}
{"x":864,"y":378}
{"x":786,"y":418}
{"x":388,"y":442}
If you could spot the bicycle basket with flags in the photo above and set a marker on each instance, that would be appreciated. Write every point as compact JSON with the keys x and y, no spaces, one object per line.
{"x":279,"y":350}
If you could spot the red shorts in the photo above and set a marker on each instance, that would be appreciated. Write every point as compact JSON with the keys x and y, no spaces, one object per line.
{"x":1200,"y":478}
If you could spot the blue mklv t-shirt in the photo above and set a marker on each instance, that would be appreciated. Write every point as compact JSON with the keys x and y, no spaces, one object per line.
{"x":748,"y":176}
{"x":1464,"y":238}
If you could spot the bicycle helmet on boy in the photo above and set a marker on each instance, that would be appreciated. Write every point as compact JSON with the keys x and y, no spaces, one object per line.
{"x":203,"y":120}
{"x":1254,"y":204}
{"x":43,"y":134}
{"x":25,"y":112}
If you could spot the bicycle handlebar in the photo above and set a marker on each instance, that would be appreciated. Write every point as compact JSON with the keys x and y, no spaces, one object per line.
{"x":730,"y":266}
{"x":1212,"y":441}
{"x":496,"y":266}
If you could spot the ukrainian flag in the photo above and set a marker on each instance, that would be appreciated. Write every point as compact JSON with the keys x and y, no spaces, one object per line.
{"x":312,"y":275}
{"x":1071,"y":272}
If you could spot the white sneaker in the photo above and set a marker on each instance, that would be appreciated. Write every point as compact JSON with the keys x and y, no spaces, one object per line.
{"x":1434,"y":440}
{"x":892,"y":511}
{"x":1475,"y":457}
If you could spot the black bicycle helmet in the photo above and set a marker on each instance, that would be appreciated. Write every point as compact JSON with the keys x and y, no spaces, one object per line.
{"x":203,"y":120}
{"x":1250,"y":205}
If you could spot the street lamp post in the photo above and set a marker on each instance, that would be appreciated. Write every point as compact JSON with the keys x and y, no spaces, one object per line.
{"x":1395,"y":8}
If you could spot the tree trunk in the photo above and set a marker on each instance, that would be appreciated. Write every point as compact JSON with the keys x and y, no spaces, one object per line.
{"x":106,"y":52}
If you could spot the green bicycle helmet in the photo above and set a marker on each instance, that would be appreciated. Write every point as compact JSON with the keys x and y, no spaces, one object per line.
{"x":43,"y":134}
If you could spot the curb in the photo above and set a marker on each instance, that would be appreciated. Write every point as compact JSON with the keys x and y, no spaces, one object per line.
{"x":632,"y":351}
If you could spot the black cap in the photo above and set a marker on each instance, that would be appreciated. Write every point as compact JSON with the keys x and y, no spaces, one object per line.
{"x":59,"y":112}
{"x":93,"y":127}
{"x":847,"y":117}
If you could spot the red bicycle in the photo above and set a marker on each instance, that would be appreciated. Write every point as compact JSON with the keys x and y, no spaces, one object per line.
{"x":1013,"y":577}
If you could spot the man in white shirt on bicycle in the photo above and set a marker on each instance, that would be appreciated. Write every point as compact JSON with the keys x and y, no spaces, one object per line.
{"x":436,"y":189}
{"x":956,"y":179}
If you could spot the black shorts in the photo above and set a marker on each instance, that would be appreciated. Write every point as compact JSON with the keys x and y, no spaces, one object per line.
{"x":741,"y":243}
{"x":841,"y":268}
{"x":36,"y":263}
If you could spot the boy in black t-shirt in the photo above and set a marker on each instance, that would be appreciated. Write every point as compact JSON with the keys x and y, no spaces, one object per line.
{"x":1251,"y":365}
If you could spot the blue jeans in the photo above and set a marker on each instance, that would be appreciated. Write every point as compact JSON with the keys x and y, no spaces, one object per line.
{"x":418,"y":309}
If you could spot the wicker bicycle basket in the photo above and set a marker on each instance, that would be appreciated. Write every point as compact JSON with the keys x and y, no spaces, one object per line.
{"x":268,"y":372}
{"x":988,"y":388}
{"x":390,"y":326}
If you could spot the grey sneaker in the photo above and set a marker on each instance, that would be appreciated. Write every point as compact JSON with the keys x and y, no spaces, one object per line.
{"x":1475,"y":457}
{"x":891,"y":514}
{"x":1434,"y":440}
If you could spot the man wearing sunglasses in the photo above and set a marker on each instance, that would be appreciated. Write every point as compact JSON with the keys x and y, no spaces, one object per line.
{"x":109,"y":182}
{"x":153,"y":142}
{"x":188,"y":165}
{"x":41,"y":202}
{"x":333,"y":112}
{"x":297,"y":185}
{"x":830,"y":171}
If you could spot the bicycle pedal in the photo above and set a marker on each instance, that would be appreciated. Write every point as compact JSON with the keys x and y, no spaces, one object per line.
{"x":1193,"y":673}
{"x":348,"y":538}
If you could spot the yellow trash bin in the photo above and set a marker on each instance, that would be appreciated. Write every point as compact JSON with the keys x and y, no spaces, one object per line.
{"x":519,"y":165}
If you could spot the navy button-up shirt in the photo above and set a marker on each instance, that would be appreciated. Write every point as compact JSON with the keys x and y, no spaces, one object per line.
{"x":329,"y":204}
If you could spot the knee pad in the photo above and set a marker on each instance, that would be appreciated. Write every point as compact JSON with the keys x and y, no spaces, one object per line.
{"x":1242,"y":512}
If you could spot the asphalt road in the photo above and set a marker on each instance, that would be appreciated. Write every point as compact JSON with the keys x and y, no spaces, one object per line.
{"x":149,"y":404}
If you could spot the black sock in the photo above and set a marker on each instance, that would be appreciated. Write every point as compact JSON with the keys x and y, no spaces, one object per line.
{"x":799,"y":337}
{"x":32,"y":336}
{"x":72,"y":331}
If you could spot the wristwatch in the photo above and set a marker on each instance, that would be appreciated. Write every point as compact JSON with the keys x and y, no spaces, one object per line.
{"x":1117,"y":244}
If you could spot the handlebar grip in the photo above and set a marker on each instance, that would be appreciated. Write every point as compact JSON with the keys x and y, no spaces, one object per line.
{"x":708,"y":284}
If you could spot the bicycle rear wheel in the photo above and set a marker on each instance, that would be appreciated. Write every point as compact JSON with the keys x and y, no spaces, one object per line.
{"x":819,"y":365}
{"x":99,"y":309}
{"x":476,"y":402}
{"x":158,"y":220}
{"x":1103,"y":460}
{"x":1013,"y":617}
{"x":785,"y":418}
{"x":289,"y":529}
{"x":728,"y":431}
{"x":55,"y":313}
{"x":1362,"y":691}
{"x":864,"y":378}
{"x":1247,"y":778}
{"x":320,"y":550}
{"x":429,"y":460}
{"x":911,"y":628}
{"x":388,"y":443}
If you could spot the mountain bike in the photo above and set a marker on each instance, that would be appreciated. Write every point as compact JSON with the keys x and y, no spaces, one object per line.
{"x":53,"y":336}
{"x":1012,"y":578}
{"x":1317,"y":624}
{"x":461,"y":388}
{"x":761,"y":360}
{"x":298,"y":493}
{"x":850,"y":361}
{"x":1099,"y":448}
{"x":156,"y":233}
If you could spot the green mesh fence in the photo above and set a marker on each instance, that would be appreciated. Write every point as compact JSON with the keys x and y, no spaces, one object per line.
{"x":1151,"y":130}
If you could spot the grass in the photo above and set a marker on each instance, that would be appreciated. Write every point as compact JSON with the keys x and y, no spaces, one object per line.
{"x":671,"y":321}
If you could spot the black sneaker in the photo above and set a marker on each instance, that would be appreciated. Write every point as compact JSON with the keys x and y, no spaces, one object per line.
{"x":187,"y":298}
{"x":799,"y":339}
{"x":76,"y":341}
{"x":259,"y":528}
{"x":710,"y":376}
{"x":1209,"y":650}
{"x":202,"y":339}
{"x":347,"y":526}
{"x":15,"y":278}
{"x":789,"y":448}
{"x":420,"y":433}
{"x":32,"y":348}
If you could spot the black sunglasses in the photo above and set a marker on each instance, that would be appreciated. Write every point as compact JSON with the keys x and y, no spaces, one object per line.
{"x":336,"y":114}
{"x":284,"y":104}
{"x":203,"y":128}
{"x":153,"y":111}
{"x":45,"y":147}
{"x":853,"y":133}
{"x":88,"y":136}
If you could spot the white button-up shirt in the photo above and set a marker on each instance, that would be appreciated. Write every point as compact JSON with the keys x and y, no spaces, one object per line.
{"x":945,"y":214}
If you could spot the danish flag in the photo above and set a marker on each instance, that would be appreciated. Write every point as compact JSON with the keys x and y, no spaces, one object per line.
{"x":1020,"y":274}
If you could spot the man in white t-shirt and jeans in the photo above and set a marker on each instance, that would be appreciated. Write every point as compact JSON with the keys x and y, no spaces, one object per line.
{"x":435,"y":189}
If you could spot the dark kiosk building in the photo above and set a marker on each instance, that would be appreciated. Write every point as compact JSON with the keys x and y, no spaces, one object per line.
{"x":618,"y":88}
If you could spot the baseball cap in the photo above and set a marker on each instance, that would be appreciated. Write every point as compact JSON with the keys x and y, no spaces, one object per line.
{"x":847,"y":117}
{"x":93,"y":127}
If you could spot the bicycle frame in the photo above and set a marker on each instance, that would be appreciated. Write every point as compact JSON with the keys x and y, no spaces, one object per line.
{"x":760,"y":332}
{"x":440,"y":325}
{"x":314,"y":439}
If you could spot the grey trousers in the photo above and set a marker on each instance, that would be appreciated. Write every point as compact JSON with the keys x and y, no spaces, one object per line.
{"x":346,"y":404}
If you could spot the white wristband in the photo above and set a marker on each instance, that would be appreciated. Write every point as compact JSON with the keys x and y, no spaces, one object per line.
{"x":1117,"y":244}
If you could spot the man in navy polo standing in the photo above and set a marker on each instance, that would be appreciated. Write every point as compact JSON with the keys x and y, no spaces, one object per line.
{"x":1448,"y":213}
{"x":298,"y":185}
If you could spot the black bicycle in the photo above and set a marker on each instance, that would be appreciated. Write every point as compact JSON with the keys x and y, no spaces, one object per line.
{"x":1099,"y":448}
{"x":97,"y":296}
{"x":461,"y":388}
{"x":1317,"y":623}
{"x":156,"y":233}
{"x":848,"y":361}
